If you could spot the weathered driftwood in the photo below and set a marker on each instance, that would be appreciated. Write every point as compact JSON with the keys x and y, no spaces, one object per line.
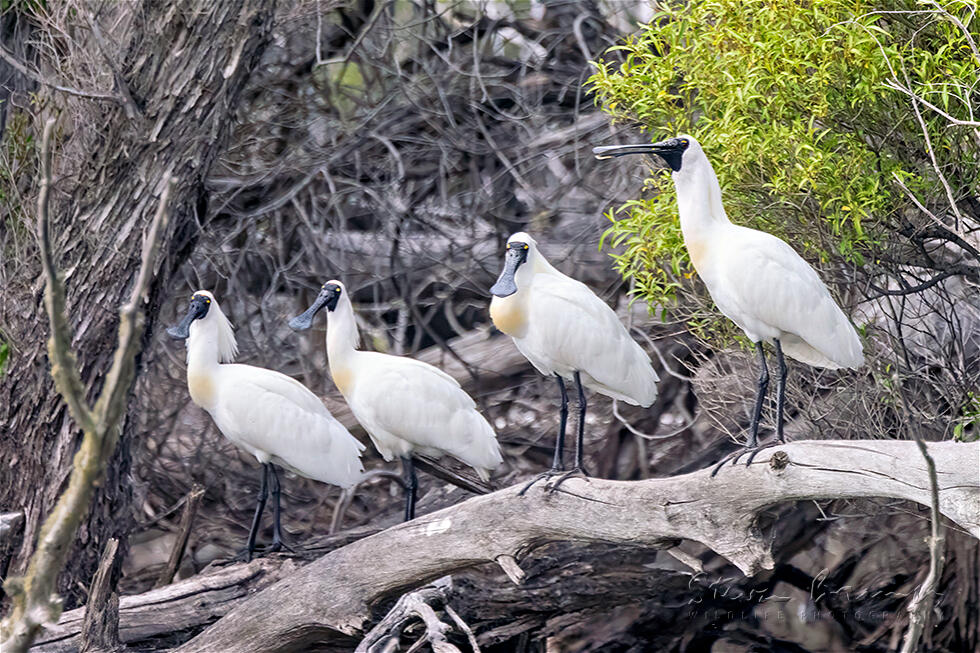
{"x":100,"y":629}
{"x":335,"y":592}
{"x":185,"y":604}
{"x":191,"y":502}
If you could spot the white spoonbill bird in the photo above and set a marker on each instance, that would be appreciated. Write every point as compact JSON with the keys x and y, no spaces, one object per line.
{"x":755,"y":279}
{"x":405,"y":405}
{"x":265,"y":413}
{"x":566,"y":331}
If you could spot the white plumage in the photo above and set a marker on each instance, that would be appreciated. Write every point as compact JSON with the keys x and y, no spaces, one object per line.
{"x":565,"y":330}
{"x":268,"y":414}
{"x":405,"y":405}
{"x":562,"y":327}
{"x":755,"y":279}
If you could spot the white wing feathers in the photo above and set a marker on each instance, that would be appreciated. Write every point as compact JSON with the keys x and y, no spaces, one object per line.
{"x":769,"y":284}
{"x":572,"y":329}
{"x":403,"y":399}
{"x":277,"y":419}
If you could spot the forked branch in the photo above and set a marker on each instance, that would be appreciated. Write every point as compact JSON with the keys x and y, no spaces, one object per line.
{"x":34,"y":600}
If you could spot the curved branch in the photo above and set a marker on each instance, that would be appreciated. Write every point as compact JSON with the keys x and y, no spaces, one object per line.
{"x":335,"y":593}
{"x":64,"y":368}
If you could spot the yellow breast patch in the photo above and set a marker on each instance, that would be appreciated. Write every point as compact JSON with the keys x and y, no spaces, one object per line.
{"x":508,"y":315}
{"x":697,"y":249}
{"x":201,"y":387}
{"x":342,"y":378}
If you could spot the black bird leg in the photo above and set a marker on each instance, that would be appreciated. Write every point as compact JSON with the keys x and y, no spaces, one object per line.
{"x":579,"y":468}
{"x":558,"y":464}
{"x":753,"y":440}
{"x":411,"y":487}
{"x":780,"y":392}
{"x":277,"y":542}
{"x":760,"y":397}
{"x":259,"y":507}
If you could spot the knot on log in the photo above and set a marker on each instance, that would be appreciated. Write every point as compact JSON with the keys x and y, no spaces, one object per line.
{"x":779,"y":460}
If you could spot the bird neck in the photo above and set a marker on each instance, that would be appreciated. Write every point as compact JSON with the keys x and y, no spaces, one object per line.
{"x":342,"y":335}
{"x":203,"y":364}
{"x":701,"y":212}
{"x":202,"y":348}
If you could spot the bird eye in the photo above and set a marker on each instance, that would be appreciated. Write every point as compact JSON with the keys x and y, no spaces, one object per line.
{"x":684,"y":142}
{"x":337,"y":290}
{"x":525,"y":247}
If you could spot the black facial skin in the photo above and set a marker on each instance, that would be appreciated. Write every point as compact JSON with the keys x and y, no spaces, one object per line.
{"x":198,"y":308}
{"x":670,"y":150}
{"x":515,"y":257}
{"x":329,"y":296}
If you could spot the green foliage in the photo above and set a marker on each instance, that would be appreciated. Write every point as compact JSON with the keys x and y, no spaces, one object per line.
{"x":789,"y":101}
{"x":967,"y":427}
{"x":4,"y":355}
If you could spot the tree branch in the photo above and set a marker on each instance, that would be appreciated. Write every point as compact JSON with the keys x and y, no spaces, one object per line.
{"x":920,"y":607}
{"x":335,"y":593}
{"x":40,"y":79}
{"x":34,"y":600}
{"x":64,"y":369}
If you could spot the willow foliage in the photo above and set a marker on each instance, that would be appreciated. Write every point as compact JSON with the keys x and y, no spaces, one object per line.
{"x":792,"y":103}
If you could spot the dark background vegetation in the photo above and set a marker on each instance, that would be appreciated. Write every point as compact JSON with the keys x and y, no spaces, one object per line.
{"x":395,"y":145}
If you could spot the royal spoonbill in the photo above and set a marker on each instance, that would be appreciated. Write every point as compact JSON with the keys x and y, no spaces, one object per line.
{"x":755,"y":279}
{"x":566,"y":331}
{"x":265,"y":413}
{"x":405,"y":405}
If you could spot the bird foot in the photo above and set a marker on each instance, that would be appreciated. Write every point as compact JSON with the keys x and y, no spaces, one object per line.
{"x":278,"y":545}
{"x":751,"y":451}
{"x":552,"y":487}
{"x":244,"y":555}
{"x":543,"y":475}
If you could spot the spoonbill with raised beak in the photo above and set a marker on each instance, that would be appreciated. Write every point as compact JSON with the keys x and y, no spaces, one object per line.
{"x":755,"y":279}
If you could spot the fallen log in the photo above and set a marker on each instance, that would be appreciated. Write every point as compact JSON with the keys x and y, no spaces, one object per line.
{"x":334,"y":595}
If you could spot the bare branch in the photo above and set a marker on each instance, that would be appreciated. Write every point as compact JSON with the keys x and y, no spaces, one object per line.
{"x":186,"y":522}
{"x":34,"y":600}
{"x":920,"y":607}
{"x":719,"y":513}
{"x":414,"y":605}
{"x":64,"y":368}
{"x":40,"y":79}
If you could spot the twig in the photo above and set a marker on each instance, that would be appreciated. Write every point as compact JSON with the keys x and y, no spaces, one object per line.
{"x":183,"y":533}
{"x":920,"y":607}
{"x":133,"y":111}
{"x":27,"y":72}
{"x":465,"y":627}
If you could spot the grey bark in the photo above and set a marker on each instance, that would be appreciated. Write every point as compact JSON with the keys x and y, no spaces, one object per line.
{"x":187,"y":89}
